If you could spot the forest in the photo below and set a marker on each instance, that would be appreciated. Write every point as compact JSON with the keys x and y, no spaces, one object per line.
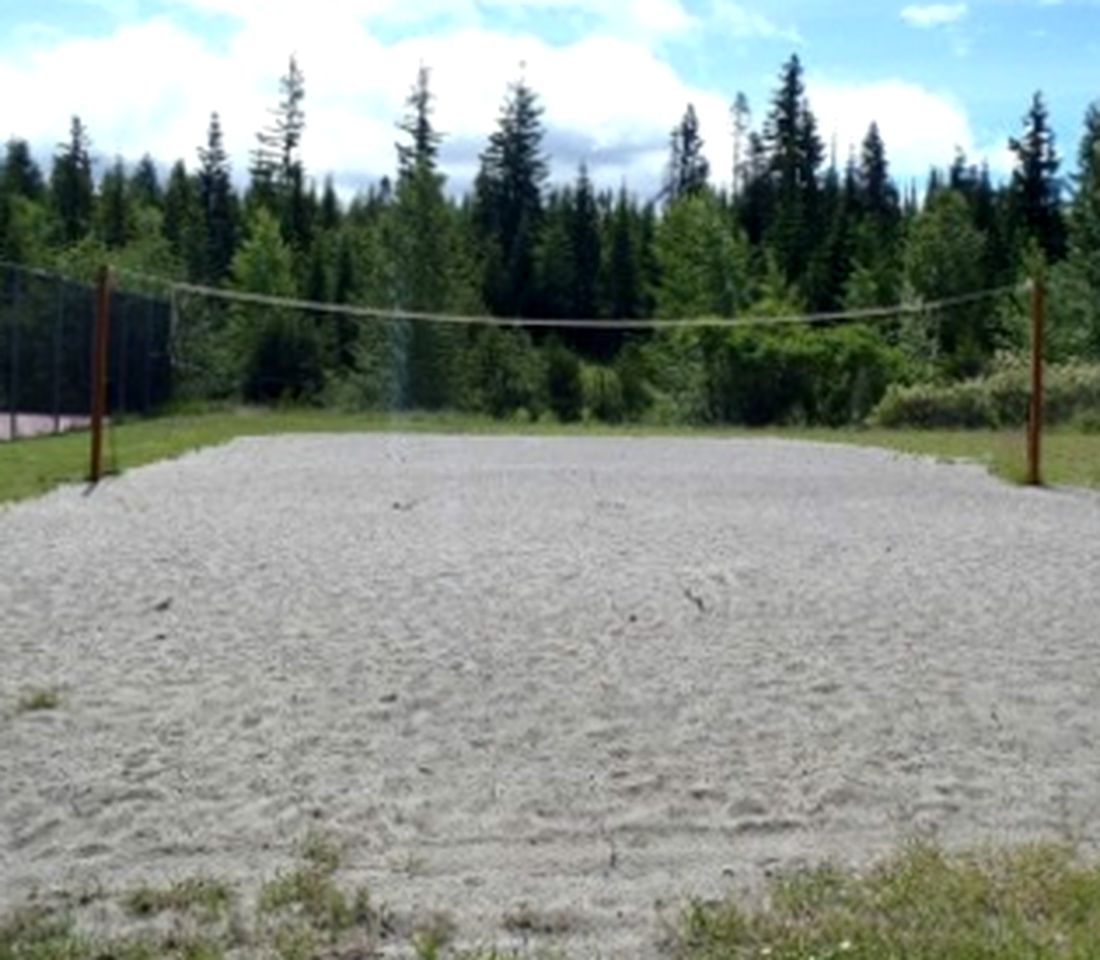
{"x":797,"y":230}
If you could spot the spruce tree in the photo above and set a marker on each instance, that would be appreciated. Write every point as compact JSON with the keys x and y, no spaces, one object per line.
{"x":795,"y":155}
{"x":116,"y":225}
{"x":71,"y":185}
{"x":624,"y":299}
{"x":145,"y":183}
{"x":217,"y":206}
{"x":22,"y":178}
{"x":508,"y":201}
{"x":688,"y":169}
{"x":422,"y":233}
{"x":1036,"y":189}
{"x":585,"y":231}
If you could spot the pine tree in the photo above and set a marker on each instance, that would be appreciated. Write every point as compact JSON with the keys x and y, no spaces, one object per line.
{"x":586,"y":243}
{"x":71,"y":185}
{"x":22,"y":178}
{"x":795,"y":154}
{"x":277,"y":177}
{"x":688,"y":169}
{"x":422,"y":231}
{"x":624,"y":295}
{"x":508,"y":201}
{"x":741,"y":115}
{"x":1036,"y":189}
{"x":145,"y":183}
{"x":217,"y":206}
{"x":330,"y":215}
{"x":116,"y":226}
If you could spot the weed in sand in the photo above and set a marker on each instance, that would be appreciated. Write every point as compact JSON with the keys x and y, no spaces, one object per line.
{"x":1036,"y":902}
{"x":211,"y":898}
{"x":38,"y":699}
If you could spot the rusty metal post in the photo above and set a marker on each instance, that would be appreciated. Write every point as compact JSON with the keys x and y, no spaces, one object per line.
{"x":1035,"y":414}
{"x":99,"y":370}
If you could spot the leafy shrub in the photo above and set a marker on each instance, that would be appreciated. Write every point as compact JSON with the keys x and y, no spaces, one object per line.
{"x":1000,"y":400}
{"x":603,"y":394}
{"x":504,"y":373}
{"x":759,"y":376}
{"x":564,"y":390}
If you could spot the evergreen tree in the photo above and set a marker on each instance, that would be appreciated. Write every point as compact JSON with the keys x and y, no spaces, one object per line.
{"x":182,"y":219}
{"x":71,"y":185}
{"x":556,"y":258}
{"x":22,"y":178}
{"x":217,"y":206}
{"x":281,"y":348}
{"x":688,"y":169}
{"x":1036,"y":189}
{"x":423,"y":238}
{"x":145,"y":184}
{"x":116,"y":226}
{"x":624,"y":294}
{"x":508,"y":201}
{"x":586,"y":243}
{"x":330,"y":215}
{"x":741,"y":115}
{"x":944,"y":258}
{"x":795,"y":155}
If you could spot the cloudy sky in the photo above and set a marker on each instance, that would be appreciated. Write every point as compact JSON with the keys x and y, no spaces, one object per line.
{"x":614,"y":75}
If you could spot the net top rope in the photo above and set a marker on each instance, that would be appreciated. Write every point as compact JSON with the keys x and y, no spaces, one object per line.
{"x":176,"y":288}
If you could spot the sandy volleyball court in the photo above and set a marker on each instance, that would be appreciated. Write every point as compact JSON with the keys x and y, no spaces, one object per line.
{"x":589,"y":675}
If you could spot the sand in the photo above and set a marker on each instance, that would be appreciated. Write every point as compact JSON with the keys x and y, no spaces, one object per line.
{"x":593,"y":676}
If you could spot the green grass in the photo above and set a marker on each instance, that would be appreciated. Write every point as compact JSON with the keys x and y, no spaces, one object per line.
{"x":31,"y":467}
{"x":38,"y":700}
{"x":211,"y":898}
{"x":1036,"y":902}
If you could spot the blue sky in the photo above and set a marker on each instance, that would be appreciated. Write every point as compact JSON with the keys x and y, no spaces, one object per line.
{"x":615,"y":75}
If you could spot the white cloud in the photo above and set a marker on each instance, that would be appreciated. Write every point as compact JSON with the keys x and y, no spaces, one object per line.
{"x":610,"y":99}
{"x":934,"y":14}
{"x":742,"y":22}
{"x":921,"y":129}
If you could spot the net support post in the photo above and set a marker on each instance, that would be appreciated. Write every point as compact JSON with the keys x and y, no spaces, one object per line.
{"x":1035,"y":410}
{"x":99,"y":370}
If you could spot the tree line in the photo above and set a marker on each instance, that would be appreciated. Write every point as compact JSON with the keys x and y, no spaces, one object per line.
{"x":798,"y":229}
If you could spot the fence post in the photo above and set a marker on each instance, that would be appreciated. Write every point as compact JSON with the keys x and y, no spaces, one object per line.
{"x":1035,"y":413}
{"x":99,"y":370}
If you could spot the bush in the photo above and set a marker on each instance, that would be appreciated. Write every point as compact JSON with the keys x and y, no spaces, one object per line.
{"x":564,"y":390}
{"x":757,"y":376}
{"x":504,"y":373}
{"x":603,"y":394}
{"x":1000,"y":400}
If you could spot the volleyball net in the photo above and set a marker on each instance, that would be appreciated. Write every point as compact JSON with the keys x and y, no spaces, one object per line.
{"x":174,"y":345}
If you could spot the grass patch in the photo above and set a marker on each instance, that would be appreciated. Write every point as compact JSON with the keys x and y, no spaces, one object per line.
{"x":32,"y":467}
{"x":39,"y":699}
{"x":1038,"y":902}
{"x":1035,"y":902}
{"x":211,"y":898}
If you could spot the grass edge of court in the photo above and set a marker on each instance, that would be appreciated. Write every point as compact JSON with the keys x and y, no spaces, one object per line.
{"x":32,"y":467}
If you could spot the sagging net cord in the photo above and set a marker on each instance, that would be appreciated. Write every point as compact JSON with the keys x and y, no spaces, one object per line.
{"x":176,"y":288}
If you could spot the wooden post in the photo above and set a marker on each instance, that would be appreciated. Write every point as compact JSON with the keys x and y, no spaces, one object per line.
{"x":1035,"y":415}
{"x":99,"y":370}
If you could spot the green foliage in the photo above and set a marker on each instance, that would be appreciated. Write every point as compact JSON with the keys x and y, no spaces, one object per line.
{"x":1035,"y":902}
{"x":703,"y":261}
{"x":564,"y":390}
{"x":759,"y":376}
{"x":280,"y":348}
{"x":1000,"y":400}
{"x":603,"y":394}
{"x":505,"y":373}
